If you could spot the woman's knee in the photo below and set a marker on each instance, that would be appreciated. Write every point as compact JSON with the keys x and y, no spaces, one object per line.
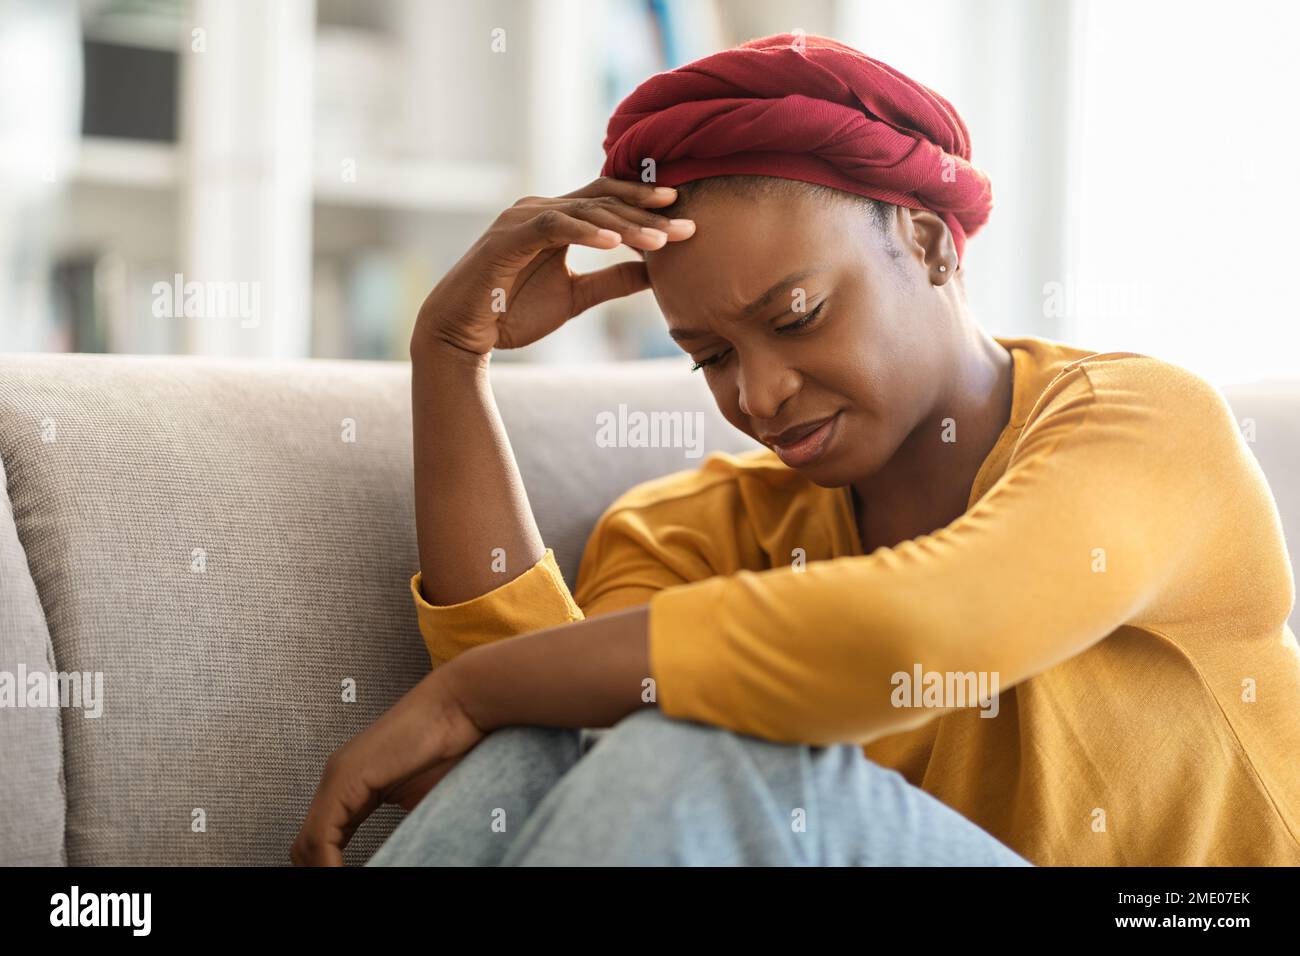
{"x":659,"y":790}
{"x":668,"y":771}
{"x":789,"y":801}
{"x":652,"y":749}
{"x":471,"y":813}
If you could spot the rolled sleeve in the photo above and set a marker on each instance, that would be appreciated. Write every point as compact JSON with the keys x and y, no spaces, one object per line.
{"x":534,"y":600}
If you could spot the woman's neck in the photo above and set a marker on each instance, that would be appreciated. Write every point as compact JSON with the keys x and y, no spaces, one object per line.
{"x":927,"y":483}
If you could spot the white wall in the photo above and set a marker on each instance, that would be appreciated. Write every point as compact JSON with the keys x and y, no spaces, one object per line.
{"x":1004,"y":65}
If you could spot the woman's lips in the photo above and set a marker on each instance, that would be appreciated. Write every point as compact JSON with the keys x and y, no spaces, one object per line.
{"x":808,"y":448}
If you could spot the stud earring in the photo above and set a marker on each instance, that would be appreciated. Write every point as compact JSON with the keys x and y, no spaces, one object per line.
{"x":942,"y":267}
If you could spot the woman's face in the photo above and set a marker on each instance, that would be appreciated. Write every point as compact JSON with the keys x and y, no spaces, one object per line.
{"x":803,"y":318}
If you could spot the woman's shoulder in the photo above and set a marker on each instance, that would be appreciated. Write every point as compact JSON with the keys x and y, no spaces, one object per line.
{"x":1118,"y":381}
{"x":720,"y":475}
{"x":732,"y":512}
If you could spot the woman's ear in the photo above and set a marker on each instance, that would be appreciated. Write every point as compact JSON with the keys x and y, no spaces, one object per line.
{"x":931,"y":245}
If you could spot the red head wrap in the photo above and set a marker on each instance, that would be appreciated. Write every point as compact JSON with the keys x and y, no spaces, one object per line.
{"x":803,"y":107}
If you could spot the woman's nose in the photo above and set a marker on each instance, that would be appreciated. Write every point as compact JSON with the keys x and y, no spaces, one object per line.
{"x":764,"y":385}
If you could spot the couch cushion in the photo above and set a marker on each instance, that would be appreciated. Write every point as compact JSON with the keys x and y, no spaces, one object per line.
{"x":31,"y":754}
{"x":202,"y":535}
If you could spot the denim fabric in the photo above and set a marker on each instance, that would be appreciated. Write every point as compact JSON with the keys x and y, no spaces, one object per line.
{"x":657,"y":791}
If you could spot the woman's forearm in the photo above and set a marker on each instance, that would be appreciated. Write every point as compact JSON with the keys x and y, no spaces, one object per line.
{"x":590,"y":673}
{"x":469,"y":497}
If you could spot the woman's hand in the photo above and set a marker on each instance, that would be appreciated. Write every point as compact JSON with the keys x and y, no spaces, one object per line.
{"x":398,"y":759}
{"x":513,"y":286}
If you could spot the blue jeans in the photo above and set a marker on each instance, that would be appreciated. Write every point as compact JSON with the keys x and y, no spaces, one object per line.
{"x":657,"y":791}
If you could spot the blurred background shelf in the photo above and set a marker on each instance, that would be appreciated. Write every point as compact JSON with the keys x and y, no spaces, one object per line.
{"x":412,"y":186}
{"x":419,"y":187}
{"x":135,"y":164}
{"x":339,"y":156}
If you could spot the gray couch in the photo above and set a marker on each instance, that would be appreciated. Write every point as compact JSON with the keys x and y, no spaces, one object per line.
{"x":199,"y":532}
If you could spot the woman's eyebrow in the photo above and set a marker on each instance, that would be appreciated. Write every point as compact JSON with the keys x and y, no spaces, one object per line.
{"x":758,"y":304}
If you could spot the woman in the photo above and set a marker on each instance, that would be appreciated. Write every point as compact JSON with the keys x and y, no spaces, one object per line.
{"x":989,"y":601}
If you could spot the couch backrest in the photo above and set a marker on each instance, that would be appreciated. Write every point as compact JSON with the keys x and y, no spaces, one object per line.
{"x":200,"y":533}
{"x":1269,"y":415}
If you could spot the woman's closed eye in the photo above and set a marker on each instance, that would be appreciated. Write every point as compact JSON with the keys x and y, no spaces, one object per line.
{"x":794,"y":326}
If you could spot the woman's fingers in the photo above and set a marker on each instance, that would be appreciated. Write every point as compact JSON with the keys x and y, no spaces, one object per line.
{"x":321,"y":840}
{"x":631,"y":201}
{"x":342,"y":803}
{"x":600,"y":209}
{"x":585,"y":217}
{"x":406,"y":751}
{"x":632,"y":191}
{"x":548,"y":229}
{"x":612,"y":282}
{"x":639,"y":236}
{"x":599,"y":229}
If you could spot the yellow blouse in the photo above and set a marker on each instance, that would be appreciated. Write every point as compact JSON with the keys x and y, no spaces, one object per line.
{"x":1120,"y":569}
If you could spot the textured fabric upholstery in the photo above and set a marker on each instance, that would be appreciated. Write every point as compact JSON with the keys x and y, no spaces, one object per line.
{"x":199,"y":532}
